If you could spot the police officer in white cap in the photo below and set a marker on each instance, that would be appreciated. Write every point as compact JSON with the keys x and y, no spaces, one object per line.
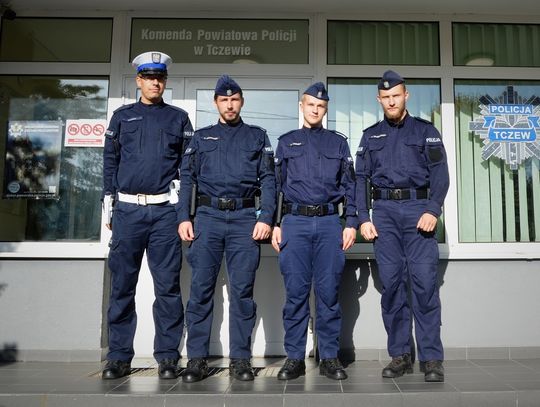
{"x":141,"y":160}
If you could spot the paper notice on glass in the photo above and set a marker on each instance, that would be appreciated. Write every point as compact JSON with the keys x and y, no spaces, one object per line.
{"x":32,"y":165}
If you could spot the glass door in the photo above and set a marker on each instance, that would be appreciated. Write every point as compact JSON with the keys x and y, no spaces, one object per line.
{"x":270,"y":104}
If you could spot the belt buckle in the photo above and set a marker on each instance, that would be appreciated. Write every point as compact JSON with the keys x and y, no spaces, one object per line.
{"x":314,"y":210}
{"x":141,"y":199}
{"x":226,"y":203}
{"x":395,"y":194}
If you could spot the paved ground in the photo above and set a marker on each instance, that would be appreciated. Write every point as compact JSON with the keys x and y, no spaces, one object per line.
{"x":470,"y":383}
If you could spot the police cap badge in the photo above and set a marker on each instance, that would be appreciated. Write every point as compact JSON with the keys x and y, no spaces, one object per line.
{"x":152,"y":63}
{"x":389,"y":80}
{"x":318,"y":91}
{"x":226,"y":86}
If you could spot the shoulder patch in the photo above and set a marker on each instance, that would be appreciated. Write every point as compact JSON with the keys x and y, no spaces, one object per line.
{"x":373,"y":125}
{"x":423,"y":120}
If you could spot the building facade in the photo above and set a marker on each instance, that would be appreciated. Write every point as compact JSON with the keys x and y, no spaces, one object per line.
{"x":476,"y":77}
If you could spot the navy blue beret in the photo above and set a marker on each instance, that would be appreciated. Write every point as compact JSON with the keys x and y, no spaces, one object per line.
{"x":317,"y":90}
{"x":389,"y":80}
{"x":226,"y":86}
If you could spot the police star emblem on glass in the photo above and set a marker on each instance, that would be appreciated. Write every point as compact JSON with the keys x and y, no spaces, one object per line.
{"x":509,"y":126}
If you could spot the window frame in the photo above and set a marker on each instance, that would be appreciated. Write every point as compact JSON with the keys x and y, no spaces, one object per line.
{"x":119,"y":69}
{"x":447,"y":73}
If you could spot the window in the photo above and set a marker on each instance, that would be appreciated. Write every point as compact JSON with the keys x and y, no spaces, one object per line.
{"x":383,"y":43}
{"x":478,"y":44}
{"x":72,"y":210}
{"x":276,"y":111}
{"x":353,"y":107}
{"x":56,"y":40}
{"x":498,"y":166}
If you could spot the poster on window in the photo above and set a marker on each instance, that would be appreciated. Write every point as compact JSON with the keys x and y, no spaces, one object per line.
{"x":32,"y":159}
{"x":85,"y":133}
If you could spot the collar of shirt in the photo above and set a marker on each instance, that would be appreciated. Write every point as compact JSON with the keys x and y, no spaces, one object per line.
{"x":397,"y":124}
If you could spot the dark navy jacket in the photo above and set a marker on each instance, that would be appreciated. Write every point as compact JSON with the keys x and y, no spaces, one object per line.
{"x":408,"y":155}
{"x":314,"y":166}
{"x":143,"y":148}
{"x":229,"y":161}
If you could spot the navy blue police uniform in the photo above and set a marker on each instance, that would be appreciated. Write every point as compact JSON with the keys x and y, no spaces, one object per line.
{"x":314,"y":171}
{"x":406,"y":165}
{"x":232,"y":167}
{"x":142,"y":155}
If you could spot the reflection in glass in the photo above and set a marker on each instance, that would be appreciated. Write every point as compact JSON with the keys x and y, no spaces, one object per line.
{"x":273,"y":110}
{"x":383,"y":43}
{"x":486,"y":44}
{"x":43,"y":39}
{"x":76,"y":214}
{"x":495,"y":203}
{"x":353,"y":104}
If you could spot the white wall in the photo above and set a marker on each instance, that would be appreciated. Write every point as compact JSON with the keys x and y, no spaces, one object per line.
{"x":486,"y":304}
{"x":53,"y":309}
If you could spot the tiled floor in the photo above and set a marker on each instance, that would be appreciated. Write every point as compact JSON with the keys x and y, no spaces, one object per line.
{"x":474,"y":383}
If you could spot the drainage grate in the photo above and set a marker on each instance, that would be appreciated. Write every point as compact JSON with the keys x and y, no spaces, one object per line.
{"x":212,"y":371}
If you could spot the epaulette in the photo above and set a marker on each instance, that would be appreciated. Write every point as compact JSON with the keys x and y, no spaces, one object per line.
{"x":422,"y":120}
{"x":204,"y":128}
{"x":338,"y":133}
{"x":373,"y":125}
{"x":124,"y":107}
{"x":177,"y":108}
{"x":289,"y":132}
{"x":253,"y":126}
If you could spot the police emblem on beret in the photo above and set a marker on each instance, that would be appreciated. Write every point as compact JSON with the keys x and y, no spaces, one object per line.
{"x":229,"y":92}
{"x":386,"y":84}
{"x":156,"y":57}
{"x":319,"y":94}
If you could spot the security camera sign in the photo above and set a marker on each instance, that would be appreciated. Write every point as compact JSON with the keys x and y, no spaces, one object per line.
{"x":85,"y":133}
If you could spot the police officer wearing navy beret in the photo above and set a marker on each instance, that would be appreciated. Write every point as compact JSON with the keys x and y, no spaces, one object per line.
{"x":141,"y":160}
{"x":231,"y":165}
{"x":404,"y":159}
{"x":315,"y":175}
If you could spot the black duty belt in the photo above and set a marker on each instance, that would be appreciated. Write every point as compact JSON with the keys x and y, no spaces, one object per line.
{"x":224,"y":204}
{"x":400,"y":194}
{"x":310,"y":210}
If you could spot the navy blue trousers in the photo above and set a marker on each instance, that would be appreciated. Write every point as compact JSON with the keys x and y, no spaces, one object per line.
{"x":137,"y":229}
{"x":311,"y":253}
{"x":217,"y":233}
{"x":405,"y":256}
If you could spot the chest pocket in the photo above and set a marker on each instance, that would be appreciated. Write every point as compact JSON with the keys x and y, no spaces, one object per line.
{"x":209,"y":156}
{"x":251,"y":155}
{"x":330,"y":166}
{"x":376,"y":149}
{"x":170,"y":143}
{"x":130,"y":136}
{"x":413,"y":152}
{"x":295,"y":159}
